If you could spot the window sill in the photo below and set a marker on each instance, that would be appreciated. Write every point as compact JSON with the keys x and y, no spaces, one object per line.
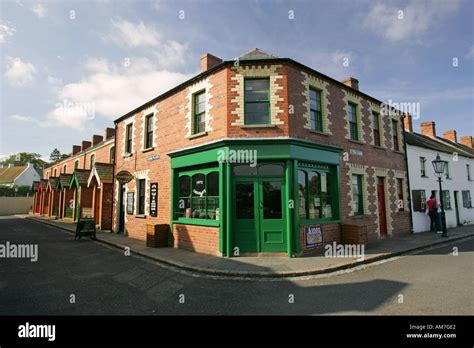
{"x":361,"y":216}
{"x":140,"y":216}
{"x":319,"y":132}
{"x":356,"y":141}
{"x":379,"y":147}
{"x":398,"y":151}
{"x":424,"y":176}
{"x":198,"y":222}
{"x":197,"y":135}
{"x":148,"y":149}
{"x":258,"y":126}
{"x":127,"y":155}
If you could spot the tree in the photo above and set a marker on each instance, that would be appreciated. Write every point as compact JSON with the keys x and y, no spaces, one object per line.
{"x":22,"y":158}
{"x":56,"y":156}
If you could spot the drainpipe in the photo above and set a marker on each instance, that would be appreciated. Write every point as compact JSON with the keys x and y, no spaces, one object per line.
{"x":408,"y":173}
{"x":113,"y":182}
{"x":288,"y":211}
{"x":228,"y":183}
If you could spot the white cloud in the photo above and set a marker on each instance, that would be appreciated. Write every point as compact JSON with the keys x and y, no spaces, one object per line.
{"x":417,"y":18}
{"x":470,"y":54}
{"x":21,"y":118}
{"x":54,"y":80}
{"x":111,"y":90}
{"x":39,"y":10}
{"x":169,"y":53}
{"x":18,"y":72}
{"x":338,"y":64}
{"x":6,"y":31}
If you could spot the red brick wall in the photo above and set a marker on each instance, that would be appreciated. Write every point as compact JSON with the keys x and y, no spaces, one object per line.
{"x":201,"y":239}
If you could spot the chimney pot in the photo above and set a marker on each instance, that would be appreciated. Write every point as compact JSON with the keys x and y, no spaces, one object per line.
{"x":76,"y":149}
{"x":451,"y":135}
{"x":408,"y":123}
{"x":428,"y":128}
{"x":351,"y":82}
{"x":96,"y":139}
{"x":466,"y":141}
{"x":109,"y":133}
{"x":208,"y":61}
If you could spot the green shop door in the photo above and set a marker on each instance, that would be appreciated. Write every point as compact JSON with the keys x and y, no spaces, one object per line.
{"x":258,"y":215}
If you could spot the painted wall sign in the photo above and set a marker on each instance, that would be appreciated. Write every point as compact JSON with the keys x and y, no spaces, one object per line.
{"x":123,"y":177}
{"x":313,"y":236}
{"x":154,"y":199}
{"x":130,"y":198}
{"x":153,"y":158}
{"x":356,"y":152}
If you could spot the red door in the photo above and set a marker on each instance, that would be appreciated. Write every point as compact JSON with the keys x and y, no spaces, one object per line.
{"x":381,"y":204}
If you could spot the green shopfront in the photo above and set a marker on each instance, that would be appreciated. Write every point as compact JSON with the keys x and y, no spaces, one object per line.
{"x":258,"y":195}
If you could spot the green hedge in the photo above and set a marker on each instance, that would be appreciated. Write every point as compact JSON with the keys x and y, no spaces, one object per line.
{"x":23,"y":191}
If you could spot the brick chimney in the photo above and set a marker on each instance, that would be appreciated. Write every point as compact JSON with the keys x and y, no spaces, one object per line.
{"x":96,"y":139}
{"x":76,"y":149}
{"x":351,"y":82}
{"x":208,"y":61}
{"x":428,"y":128}
{"x":451,"y":135}
{"x":85,"y":144}
{"x":408,"y":123}
{"x":109,"y":133}
{"x":466,"y":141}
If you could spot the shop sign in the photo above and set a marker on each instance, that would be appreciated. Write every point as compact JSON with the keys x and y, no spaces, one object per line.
{"x":313,"y":236}
{"x":153,"y":158}
{"x":123,"y":177}
{"x":356,"y":152}
{"x":130,"y":198}
{"x":153,"y":199}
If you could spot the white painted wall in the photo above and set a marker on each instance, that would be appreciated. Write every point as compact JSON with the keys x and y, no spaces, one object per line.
{"x":27,"y":177}
{"x":457,"y":182}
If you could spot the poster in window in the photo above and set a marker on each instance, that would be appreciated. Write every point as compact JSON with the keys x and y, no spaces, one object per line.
{"x":154,"y":199}
{"x":130,"y":198}
{"x":313,"y":236}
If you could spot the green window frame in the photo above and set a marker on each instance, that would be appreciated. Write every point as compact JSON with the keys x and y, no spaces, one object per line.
{"x":353,"y":121}
{"x":148,"y":141}
{"x":316,"y":195}
{"x":198,"y":195}
{"x":257,"y":101}
{"x":128,"y":138}
{"x":199,"y":112}
{"x":315,"y":110}
{"x":446,"y":200}
{"x":357,"y":194}
{"x":141,"y":183}
{"x":466,"y":199}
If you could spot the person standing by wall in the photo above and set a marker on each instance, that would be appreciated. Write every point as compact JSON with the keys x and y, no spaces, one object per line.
{"x":432,"y":206}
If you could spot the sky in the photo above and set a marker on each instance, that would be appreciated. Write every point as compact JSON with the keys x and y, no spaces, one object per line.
{"x":70,"y":68}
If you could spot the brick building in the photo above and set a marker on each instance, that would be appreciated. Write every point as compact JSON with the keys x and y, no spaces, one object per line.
{"x":64,"y":192}
{"x":261,"y":154}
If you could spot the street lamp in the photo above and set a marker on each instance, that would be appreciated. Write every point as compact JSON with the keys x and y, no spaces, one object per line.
{"x":440,"y":171}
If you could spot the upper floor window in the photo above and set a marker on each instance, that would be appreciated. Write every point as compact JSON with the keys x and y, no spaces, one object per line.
{"x":447,"y":170}
{"x":357,"y":197}
{"x":423,"y":166}
{"x":148,"y":132}
{"x":257,"y":101}
{"x":468,"y":170}
{"x":199,"y":112}
{"x":376,"y":128}
{"x":92,"y":161}
{"x":112,"y":155}
{"x":396,"y":144}
{"x":55,"y":171}
{"x":76,"y":164}
{"x":128,"y":138}
{"x":315,"y":114}
{"x":64,"y":169}
{"x":353,"y":126}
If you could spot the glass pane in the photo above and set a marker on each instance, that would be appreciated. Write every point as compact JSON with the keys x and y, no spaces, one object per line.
{"x":244,"y":170}
{"x":184,"y":186}
{"x":244,"y":201}
{"x":272,"y":200}
{"x":270,"y":169}
{"x":302,"y":194}
{"x":257,"y":113}
{"x":213,"y":184}
{"x":256,"y":90}
{"x":313,"y":183}
{"x":199,"y":185}
{"x":352,"y":113}
{"x":200,"y":103}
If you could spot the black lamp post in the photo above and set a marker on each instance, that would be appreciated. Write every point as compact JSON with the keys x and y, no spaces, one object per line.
{"x":440,"y":170}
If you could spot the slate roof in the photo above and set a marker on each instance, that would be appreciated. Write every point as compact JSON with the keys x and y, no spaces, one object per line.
{"x":421,"y":140}
{"x":44,"y":183}
{"x":255,"y":54}
{"x":64,"y":179}
{"x":34,"y":186}
{"x":105,"y":171}
{"x":53,"y":181}
{"x":8,"y":175}
{"x":82,"y":176}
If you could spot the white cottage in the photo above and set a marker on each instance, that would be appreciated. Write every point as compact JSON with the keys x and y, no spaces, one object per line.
{"x":458,"y":186}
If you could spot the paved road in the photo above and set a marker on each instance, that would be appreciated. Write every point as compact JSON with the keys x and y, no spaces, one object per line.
{"x":105,"y":281}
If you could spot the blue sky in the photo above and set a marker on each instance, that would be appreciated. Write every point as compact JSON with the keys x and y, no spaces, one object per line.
{"x":69,"y":68}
